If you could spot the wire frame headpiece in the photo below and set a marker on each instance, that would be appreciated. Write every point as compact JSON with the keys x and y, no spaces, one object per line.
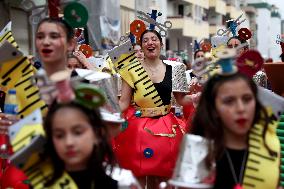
{"x":138,"y":26}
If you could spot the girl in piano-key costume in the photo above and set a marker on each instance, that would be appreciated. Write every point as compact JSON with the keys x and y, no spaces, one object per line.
{"x":149,"y":142}
{"x":245,"y":146}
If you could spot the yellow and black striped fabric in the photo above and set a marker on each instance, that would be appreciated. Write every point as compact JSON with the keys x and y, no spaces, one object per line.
{"x":262,"y":169}
{"x":280,"y":133}
{"x":17,"y":73}
{"x":41,"y":172}
{"x":132,"y":71}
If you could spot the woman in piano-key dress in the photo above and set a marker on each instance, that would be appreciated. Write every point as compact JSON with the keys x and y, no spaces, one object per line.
{"x":245,"y":145}
{"x":149,"y":141}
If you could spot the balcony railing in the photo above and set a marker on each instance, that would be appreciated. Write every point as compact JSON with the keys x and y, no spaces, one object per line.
{"x":233,"y":11}
{"x":190,"y":27}
{"x":201,"y":3}
{"x":219,"y":5}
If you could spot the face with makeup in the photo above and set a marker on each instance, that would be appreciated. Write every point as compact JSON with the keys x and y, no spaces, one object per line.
{"x":52,"y":43}
{"x":151,"y":45}
{"x":73,"y":138}
{"x":235,"y":105}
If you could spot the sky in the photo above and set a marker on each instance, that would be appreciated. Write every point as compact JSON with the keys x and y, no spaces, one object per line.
{"x":279,"y":4}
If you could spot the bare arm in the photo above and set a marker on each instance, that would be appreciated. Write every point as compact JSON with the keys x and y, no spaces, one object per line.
{"x":83,"y":60}
{"x":192,"y":97}
{"x":6,"y":121}
{"x":183,"y":99}
{"x":126,"y":96}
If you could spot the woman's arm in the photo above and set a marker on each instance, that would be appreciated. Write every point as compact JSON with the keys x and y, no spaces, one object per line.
{"x":192,"y":97}
{"x":126,"y":96}
{"x":6,"y":120}
{"x":183,"y":99}
{"x":83,"y":60}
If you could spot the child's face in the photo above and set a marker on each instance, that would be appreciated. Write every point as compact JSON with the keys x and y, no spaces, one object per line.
{"x":51,"y":42}
{"x":73,"y":138}
{"x":235,"y":105}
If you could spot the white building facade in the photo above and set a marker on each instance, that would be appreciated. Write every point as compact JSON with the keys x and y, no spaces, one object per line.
{"x":268,"y":27}
{"x":275,"y":29}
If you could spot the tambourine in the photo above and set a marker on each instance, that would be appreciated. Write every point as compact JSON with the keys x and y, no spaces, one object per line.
{"x":76,"y":15}
{"x":89,"y":96}
{"x":249,"y":62}
{"x":86,"y":50}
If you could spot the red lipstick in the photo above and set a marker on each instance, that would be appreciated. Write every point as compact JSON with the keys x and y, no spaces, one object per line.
{"x":71,"y":153}
{"x":241,"y":121}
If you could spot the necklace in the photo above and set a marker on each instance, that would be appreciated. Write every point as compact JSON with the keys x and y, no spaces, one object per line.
{"x":237,"y":181}
{"x":153,"y":71}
